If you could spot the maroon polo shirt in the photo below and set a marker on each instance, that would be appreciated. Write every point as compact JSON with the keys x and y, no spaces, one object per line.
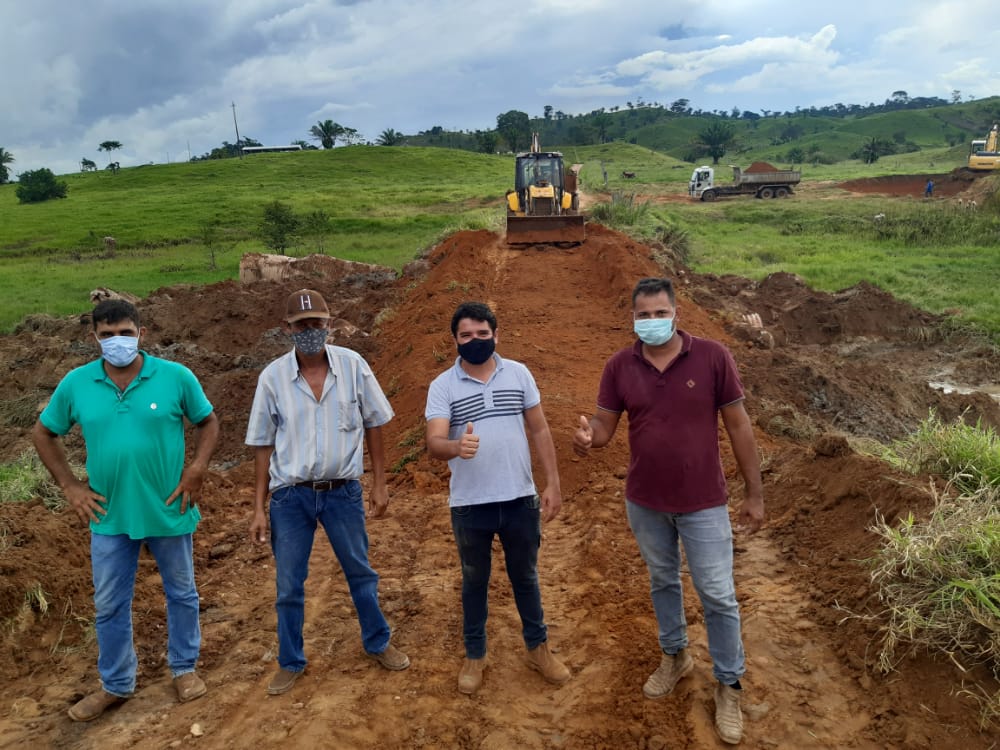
{"x":673,"y":423}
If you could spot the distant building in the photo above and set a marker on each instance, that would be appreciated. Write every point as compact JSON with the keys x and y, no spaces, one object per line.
{"x":270,"y":149}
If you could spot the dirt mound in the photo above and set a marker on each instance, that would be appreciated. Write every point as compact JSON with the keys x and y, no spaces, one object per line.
{"x":945,"y":185}
{"x":824,"y":367}
{"x":760,"y":166}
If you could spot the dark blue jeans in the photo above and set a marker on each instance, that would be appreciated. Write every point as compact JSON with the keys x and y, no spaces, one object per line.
{"x":295,"y":512}
{"x":518,"y":523}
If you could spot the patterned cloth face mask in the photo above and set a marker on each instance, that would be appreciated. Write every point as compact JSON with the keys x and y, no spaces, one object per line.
{"x":310,"y":341}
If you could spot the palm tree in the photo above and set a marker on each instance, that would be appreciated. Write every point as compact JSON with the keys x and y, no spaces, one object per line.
{"x":390,"y":137}
{"x":715,"y":140}
{"x":327,"y":132}
{"x":109,"y":146}
{"x":6,"y":157}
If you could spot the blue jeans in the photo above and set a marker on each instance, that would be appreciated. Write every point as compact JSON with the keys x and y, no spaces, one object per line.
{"x":295,"y":512}
{"x":708,"y":546}
{"x":518,"y":523}
{"x":114,"y":559}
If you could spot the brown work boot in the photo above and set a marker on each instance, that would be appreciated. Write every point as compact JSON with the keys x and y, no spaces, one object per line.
{"x":189,"y":686}
{"x":282,"y":682}
{"x":665,"y":678}
{"x":728,"y":716}
{"x":553,"y":670}
{"x":392,"y":658}
{"x":470,"y":677}
{"x":94,"y":705}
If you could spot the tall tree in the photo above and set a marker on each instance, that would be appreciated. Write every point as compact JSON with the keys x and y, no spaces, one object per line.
{"x":109,"y":146}
{"x":601,"y":122}
{"x":327,"y":132}
{"x":6,"y":157}
{"x":715,"y":140}
{"x":390,"y":137}
{"x":515,"y":128}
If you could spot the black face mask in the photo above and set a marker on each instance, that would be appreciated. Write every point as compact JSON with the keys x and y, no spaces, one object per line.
{"x":477,"y":351}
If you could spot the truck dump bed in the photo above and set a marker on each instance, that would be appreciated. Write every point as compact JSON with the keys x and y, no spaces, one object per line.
{"x":780,"y":176}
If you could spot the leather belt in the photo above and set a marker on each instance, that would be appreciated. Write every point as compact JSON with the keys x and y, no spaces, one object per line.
{"x":323,"y":485}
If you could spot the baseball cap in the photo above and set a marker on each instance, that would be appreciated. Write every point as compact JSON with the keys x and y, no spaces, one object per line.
{"x":305,"y":303}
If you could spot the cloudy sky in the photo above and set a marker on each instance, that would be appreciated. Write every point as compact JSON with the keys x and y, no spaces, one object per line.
{"x":161,"y":76}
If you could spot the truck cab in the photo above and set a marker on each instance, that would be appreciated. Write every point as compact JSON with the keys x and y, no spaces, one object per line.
{"x":701,"y":180}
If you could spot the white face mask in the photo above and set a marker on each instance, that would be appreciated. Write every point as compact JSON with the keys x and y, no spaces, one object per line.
{"x":654,"y":331}
{"x":120,"y":351}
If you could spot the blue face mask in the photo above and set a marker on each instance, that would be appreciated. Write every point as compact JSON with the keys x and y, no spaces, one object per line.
{"x":654,"y":331}
{"x":120,"y":351}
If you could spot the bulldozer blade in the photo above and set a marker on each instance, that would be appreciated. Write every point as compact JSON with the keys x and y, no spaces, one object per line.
{"x":538,"y":230}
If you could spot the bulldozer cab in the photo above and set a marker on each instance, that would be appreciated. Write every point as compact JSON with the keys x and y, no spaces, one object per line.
{"x":539,"y":169}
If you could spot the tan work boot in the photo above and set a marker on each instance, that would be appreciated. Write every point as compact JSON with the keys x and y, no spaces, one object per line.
{"x":94,"y":705}
{"x":189,"y":686}
{"x":728,"y":716}
{"x":665,"y":678}
{"x":470,"y":677}
{"x":553,"y":670}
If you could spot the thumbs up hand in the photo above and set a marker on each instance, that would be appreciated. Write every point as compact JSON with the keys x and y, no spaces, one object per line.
{"x":468,"y":444}
{"x":583,"y":438}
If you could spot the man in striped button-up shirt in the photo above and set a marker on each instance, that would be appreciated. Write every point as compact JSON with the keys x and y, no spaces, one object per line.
{"x":311,"y":410}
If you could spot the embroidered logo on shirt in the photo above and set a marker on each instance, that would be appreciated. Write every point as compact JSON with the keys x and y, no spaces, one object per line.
{"x":153,"y":406}
{"x":691,"y":384}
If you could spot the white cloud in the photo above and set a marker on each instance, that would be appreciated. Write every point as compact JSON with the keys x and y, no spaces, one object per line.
{"x":158,"y":74}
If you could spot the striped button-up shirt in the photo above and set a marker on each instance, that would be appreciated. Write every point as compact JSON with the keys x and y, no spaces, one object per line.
{"x":315,"y":440}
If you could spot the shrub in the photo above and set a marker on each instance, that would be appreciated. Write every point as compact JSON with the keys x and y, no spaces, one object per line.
{"x":279,"y":226}
{"x":39,"y":185}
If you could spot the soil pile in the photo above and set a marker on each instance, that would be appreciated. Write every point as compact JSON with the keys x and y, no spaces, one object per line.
{"x":821,"y":368}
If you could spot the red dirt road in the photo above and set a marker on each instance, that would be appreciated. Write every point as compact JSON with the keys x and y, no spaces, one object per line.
{"x":852,"y":364}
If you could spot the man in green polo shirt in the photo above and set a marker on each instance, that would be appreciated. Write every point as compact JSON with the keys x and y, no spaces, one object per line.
{"x":131,"y":409}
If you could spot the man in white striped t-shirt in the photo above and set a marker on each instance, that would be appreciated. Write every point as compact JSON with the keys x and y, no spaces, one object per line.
{"x":313,"y":410}
{"x":479,"y":415}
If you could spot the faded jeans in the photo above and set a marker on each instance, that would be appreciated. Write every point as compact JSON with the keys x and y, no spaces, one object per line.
{"x":708,"y":545}
{"x":295,"y":513}
{"x":518,"y":524}
{"x":115,"y":559}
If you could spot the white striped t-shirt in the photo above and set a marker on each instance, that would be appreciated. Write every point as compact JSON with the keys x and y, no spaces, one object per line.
{"x":501,"y":468}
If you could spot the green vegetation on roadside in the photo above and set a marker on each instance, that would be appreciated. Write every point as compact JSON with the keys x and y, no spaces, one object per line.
{"x":938,"y":577}
{"x":25,"y":479}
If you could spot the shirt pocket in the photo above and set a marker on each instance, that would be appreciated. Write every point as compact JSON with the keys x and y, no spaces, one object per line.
{"x":348,"y":416}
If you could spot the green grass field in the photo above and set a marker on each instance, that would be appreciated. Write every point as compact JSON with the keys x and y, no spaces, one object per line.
{"x":386,"y":205}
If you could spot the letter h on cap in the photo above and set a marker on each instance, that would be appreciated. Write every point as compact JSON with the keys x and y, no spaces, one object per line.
{"x":305,"y":302}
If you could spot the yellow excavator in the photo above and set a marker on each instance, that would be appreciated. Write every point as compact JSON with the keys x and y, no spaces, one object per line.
{"x":985,"y":153}
{"x":544,"y":206}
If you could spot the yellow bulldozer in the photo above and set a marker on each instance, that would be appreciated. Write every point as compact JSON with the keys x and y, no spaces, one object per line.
{"x":544,"y":206}
{"x":985,"y":153}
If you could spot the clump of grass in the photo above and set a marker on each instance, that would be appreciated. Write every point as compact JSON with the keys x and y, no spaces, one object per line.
{"x":938,"y":578}
{"x":966,"y":455}
{"x":27,"y":478}
{"x":407,"y":458}
{"x":21,"y":411}
{"x":624,"y":210}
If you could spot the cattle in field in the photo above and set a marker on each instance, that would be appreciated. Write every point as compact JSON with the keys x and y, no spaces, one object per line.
{"x":628,"y":175}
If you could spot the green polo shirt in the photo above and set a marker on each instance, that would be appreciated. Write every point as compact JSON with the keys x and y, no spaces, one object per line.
{"x":135,"y":442}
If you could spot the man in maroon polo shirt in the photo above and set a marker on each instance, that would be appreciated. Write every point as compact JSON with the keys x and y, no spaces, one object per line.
{"x":674,"y":386}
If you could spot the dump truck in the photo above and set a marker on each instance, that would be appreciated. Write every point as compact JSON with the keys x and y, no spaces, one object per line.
{"x":985,"y":153}
{"x":544,"y":206}
{"x":760,"y":180}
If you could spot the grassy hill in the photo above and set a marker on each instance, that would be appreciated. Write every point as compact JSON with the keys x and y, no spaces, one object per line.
{"x":191,"y":222}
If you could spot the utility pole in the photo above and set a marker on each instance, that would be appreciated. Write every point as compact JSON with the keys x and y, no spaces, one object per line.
{"x":238,"y":147}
